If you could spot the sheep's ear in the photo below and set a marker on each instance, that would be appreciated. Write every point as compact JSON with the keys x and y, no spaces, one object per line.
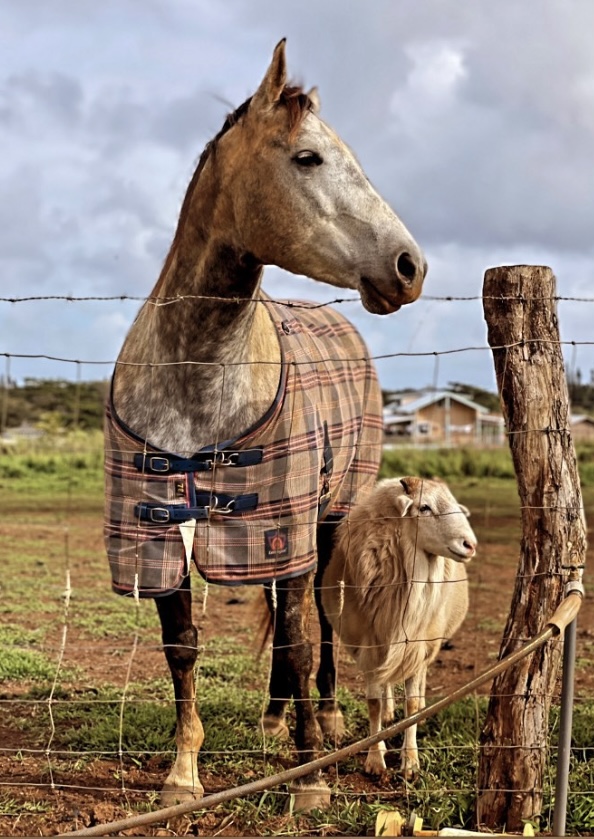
{"x":403,"y":504}
{"x":405,"y":486}
{"x":465,"y":510}
{"x":274,"y":81}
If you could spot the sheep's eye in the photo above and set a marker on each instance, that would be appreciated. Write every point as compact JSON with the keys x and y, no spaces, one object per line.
{"x":424,"y":508}
{"x":308,"y":158}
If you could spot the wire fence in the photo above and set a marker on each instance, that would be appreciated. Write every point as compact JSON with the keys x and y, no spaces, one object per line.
{"x":87,"y":708}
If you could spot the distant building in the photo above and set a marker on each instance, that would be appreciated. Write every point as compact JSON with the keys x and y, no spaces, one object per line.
{"x":441,"y":417}
{"x":582,"y":428}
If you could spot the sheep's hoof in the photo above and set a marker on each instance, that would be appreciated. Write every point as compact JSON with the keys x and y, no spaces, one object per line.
{"x":275,"y":727}
{"x":171,"y":794}
{"x":375,"y":764}
{"x":332,"y":724}
{"x":308,"y":797}
{"x":409,"y":769}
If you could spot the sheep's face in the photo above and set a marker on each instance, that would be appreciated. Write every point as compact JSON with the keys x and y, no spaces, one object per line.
{"x":439,"y":523}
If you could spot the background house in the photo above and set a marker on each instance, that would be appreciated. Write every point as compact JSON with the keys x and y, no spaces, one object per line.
{"x":582,"y":428}
{"x":441,"y":417}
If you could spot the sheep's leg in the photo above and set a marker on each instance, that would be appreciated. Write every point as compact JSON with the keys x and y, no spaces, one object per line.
{"x":180,"y":643}
{"x":329,"y":715}
{"x":375,"y":763}
{"x":388,"y":705}
{"x":414,"y":701}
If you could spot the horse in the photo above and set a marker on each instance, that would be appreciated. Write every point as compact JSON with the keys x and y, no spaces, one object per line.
{"x":211,"y":364}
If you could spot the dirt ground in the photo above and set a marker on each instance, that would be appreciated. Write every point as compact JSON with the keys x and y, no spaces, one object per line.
{"x":84,"y":796}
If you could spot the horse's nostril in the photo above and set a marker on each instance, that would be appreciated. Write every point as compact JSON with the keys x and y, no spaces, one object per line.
{"x":406,"y":266}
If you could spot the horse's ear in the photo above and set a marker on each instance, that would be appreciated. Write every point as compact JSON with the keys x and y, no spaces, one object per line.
{"x":314,"y":97}
{"x":274,"y":81}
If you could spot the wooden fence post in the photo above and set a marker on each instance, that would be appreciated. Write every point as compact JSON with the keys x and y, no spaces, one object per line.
{"x":520,"y":309}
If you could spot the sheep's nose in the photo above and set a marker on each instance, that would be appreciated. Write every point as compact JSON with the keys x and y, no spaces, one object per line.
{"x":469,"y":547}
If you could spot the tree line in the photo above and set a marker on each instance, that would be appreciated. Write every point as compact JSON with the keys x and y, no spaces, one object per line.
{"x":61,"y":405}
{"x":52,"y":404}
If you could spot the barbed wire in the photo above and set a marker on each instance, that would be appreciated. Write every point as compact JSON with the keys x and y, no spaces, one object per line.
{"x":321,"y":359}
{"x":293,"y":304}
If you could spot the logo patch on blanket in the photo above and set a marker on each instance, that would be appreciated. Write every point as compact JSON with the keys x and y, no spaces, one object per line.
{"x":277,"y":542}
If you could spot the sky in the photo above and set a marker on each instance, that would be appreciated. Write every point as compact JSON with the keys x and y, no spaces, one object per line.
{"x":474,"y":120}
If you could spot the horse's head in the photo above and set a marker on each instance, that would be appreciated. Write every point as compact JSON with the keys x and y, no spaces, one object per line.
{"x":296,"y":197}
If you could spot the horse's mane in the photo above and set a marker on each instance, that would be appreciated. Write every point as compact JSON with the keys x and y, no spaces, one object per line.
{"x":297,"y":103}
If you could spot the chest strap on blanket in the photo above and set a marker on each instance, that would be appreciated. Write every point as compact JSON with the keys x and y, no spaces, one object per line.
{"x":166,"y":464}
{"x":206,"y":504}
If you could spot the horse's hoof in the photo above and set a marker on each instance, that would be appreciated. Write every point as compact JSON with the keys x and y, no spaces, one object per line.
{"x":305,"y":798}
{"x":275,"y":727}
{"x":171,"y":794}
{"x":332,"y":724}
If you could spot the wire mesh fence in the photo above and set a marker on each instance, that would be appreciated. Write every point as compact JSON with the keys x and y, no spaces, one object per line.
{"x":87,"y":705}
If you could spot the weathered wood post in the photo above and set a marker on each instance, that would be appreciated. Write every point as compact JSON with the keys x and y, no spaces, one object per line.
{"x":520,"y":310}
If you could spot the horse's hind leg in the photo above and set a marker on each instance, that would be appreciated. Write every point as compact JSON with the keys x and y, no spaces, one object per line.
{"x":294,"y":656}
{"x":180,"y":643}
{"x":329,"y":715}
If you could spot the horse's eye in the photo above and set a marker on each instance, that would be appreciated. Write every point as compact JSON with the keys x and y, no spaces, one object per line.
{"x":425,"y":508}
{"x":308,"y":158}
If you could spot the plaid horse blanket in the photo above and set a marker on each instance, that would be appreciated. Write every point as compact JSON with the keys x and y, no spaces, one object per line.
{"x":246,"y":510}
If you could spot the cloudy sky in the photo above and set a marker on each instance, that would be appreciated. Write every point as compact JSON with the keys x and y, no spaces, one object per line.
{"x":474,"y":119}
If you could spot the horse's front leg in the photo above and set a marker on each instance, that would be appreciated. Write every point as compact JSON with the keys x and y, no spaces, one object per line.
{"x":273,"y":719}
{"x":180,"y":643}
{"x":294,"y":653}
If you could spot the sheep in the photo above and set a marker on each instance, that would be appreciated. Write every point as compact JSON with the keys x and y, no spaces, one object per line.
{"x":396,"y":588}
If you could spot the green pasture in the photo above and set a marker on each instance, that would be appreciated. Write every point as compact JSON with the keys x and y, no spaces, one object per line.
{"x":51,"y":523}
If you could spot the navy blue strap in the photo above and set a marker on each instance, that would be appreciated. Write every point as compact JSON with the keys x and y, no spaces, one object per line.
{"x":207,"y":503}
{"x":326,"y":473}
{"x":166,"y":464}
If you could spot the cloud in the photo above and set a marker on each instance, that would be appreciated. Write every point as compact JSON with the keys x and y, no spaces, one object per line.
{"x":475,"y":122}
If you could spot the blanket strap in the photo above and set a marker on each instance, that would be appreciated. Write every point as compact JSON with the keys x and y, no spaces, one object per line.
{"x":167,"y":464}
{"x":206,"y":505}
{"x":326,"y":473}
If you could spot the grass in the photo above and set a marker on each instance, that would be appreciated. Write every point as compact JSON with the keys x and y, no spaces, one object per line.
{"x":51,"y":523}
{"x":88,"y":723}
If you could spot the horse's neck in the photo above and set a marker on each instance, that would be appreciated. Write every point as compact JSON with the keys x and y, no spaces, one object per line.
{"x":197,"y":371}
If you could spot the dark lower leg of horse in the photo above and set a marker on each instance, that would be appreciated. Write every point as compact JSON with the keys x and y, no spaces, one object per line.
{"x":294,"y":647}
{"x":329,"y":715}
{"x":273,"y":719}
{"x":180,"y":643}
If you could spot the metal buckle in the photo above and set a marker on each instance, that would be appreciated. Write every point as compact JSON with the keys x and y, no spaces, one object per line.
{"x":223,"y":459}
{"x":228,"y":458}
{"x":156,"y":462}
{"x":159,"y":515}
{"x":228,"y":509}
{"x":213,"y":507}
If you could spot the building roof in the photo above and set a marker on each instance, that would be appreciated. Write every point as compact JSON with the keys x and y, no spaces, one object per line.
{"x":424,"y":399}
